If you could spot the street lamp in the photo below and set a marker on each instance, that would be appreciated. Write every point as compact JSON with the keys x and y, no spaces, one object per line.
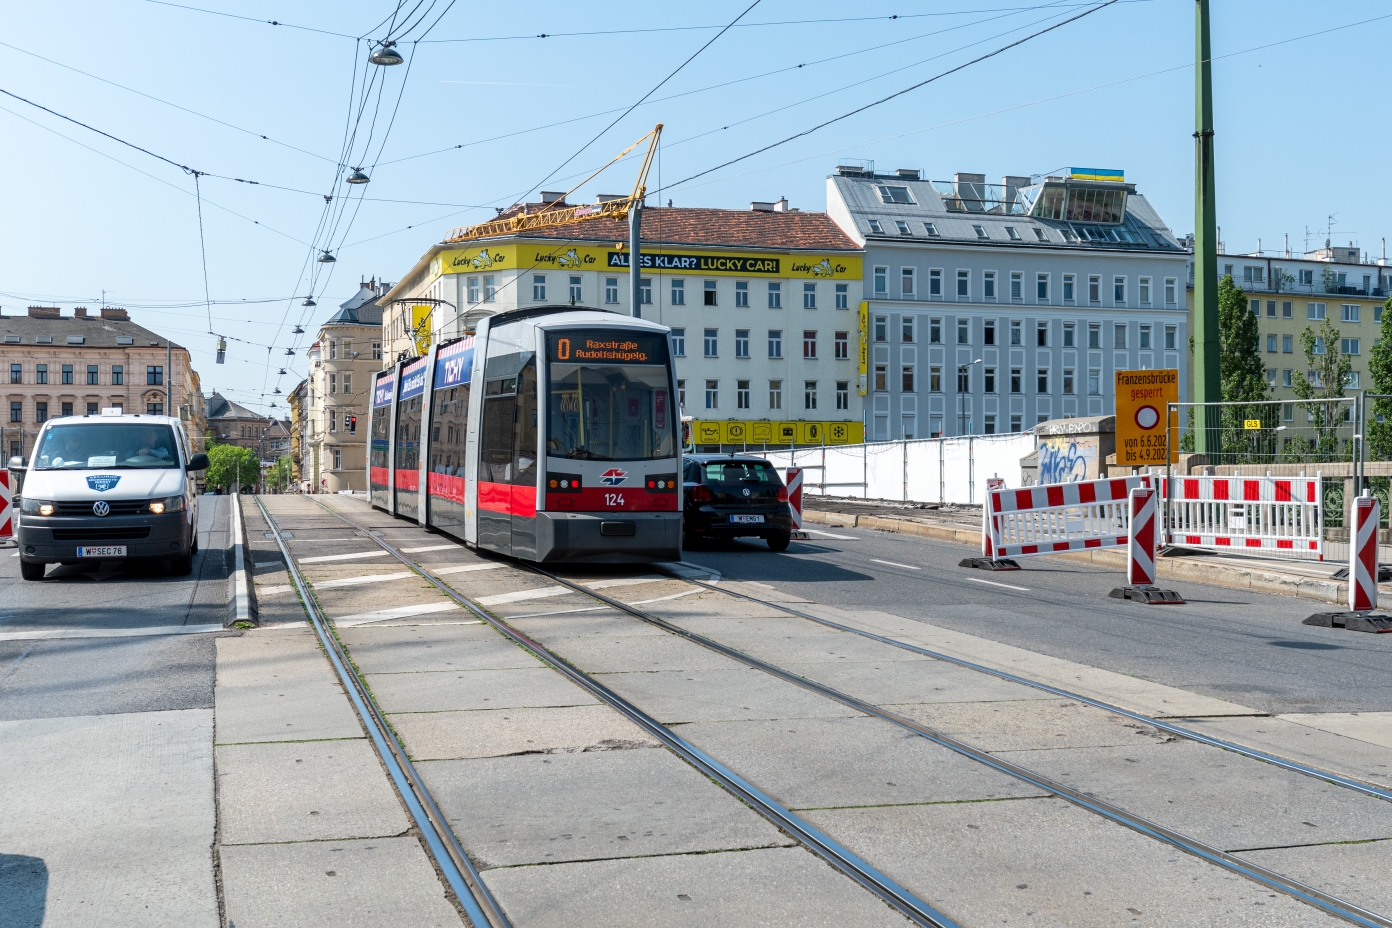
{"x":963,"y":382}
{"x":386,"y":55}
{"x":358,"y":177}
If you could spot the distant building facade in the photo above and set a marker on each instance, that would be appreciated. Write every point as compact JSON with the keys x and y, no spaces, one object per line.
{"x":234,"y":424}
{"x":994,"y":307}
{"x":342,"y":361}
{"x":296,"y":401}
{"x":55,"y":365}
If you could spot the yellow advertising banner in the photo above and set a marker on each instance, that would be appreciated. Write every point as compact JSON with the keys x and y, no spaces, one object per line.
{"x":734,"y":433}
{"x":1142,"y":398}
{"x":763,"y":432}
{"x":420,"y":327}
{"x":864,"y":348}
{"x":514,"y":254}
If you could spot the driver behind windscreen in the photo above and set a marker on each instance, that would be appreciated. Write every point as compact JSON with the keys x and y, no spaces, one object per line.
{"x":152,"y":444}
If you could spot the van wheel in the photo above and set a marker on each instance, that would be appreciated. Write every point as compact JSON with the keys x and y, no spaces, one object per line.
{"x":181,"y":566}
{"x":32,"y":570}
{"x":779,"y":542}
{"x":194,"y":549}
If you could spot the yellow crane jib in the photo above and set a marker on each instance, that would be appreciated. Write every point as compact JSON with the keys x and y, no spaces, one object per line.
{"x":551,"y":215}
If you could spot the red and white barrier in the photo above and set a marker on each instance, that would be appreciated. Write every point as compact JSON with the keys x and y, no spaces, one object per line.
{"x":1252,"y":514}
{"x":6,"y":516}
{"x":988,"y":544}
{"x":1061,"y":517}
{"x":1140,"y":546}
{"x":1363,"y":555}
{"x":793,"y":481}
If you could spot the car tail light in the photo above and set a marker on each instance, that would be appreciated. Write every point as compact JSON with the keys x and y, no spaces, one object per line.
{"x":782,"y":494}
{"x":701,"y":494}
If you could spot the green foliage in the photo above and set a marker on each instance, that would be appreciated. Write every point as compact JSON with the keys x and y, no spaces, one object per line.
{"x":1331,"y":369}
{"x":211,"y":439}
{"x":1379,"y":434}
{"x":229,"y":464}
{"x":279,"y":474}
{"x":1240,"y":362}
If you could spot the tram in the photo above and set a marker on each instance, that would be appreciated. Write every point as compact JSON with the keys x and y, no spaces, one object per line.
{"x":551,"y":434}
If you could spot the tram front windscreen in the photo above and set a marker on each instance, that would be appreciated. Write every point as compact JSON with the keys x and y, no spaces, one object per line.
{"x":609,"y":396}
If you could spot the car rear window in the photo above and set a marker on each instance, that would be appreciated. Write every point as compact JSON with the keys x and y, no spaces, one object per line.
{"x":740,"y":472}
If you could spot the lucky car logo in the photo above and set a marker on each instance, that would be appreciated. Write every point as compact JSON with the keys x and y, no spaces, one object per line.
{"x":103,"y":482}
{"x":613,"y":477}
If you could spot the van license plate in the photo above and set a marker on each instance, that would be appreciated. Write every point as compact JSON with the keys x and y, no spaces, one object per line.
{"x":105,"y":551}
{"x":753,"y":520}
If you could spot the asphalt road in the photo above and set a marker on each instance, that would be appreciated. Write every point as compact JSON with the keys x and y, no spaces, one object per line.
{"x":1232,"y":644}
{"x":95,"y":654}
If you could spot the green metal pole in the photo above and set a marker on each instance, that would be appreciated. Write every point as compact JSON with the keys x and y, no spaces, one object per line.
{"x":1208,"y":385}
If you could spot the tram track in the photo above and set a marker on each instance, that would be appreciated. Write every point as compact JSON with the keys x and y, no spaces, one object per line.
{"x":824,"y":846}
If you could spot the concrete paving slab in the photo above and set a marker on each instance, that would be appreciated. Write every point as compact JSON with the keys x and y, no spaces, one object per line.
{"x":1047,"y":864}
{"x":1356,"y":873}
{"x":277,"y":686}
{"x":1303,"y":744}
{"x":312,"y":791}
{"x":395,"y":614}
{"x":605,"y":622}
{"x":439,"y":647}
{"x":500,"y":732}
{"x":382,"y":883}
{"x":1371,"y":727}
{"x":826,"y":763}
{"x":464,"y":690}
{"x":922,"y":680}
{"x":1031,"y":725}
{"x":789,"y":638}
{"x":533,"y":809}
{"x":270,"y":657}
{"x":743,"y":889}
{"x":739,"y":693}
{"x":1216,"y":796}
{"x":636,"y":654}
{"x":108,"y":820}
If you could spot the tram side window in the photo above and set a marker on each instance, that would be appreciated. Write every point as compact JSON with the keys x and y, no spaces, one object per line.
{"x":449,"y":424}
{"x":408,"y":434}
{"x":381,"y":432}
{"x":495,"y":439}
{"x":524,"y":443}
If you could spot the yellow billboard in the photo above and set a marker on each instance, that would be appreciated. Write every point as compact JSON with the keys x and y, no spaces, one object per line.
{"x":761,"y":432}
{"x":864,"y":348}
{"x":1142,"y":398}
{"x":513,"y":254}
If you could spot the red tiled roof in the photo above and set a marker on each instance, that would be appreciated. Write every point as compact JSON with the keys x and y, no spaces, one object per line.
{"x":683,"y":225}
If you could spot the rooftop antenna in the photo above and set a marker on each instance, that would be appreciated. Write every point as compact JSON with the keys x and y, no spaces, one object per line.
{"x":1307,"y":240}
{"x":1331,"y":222}
{"x":1285,"y":237}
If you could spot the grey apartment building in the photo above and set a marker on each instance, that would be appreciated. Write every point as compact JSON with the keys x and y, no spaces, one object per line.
{"x":994,"y":307}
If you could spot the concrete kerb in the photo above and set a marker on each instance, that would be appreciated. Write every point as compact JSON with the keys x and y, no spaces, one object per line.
{"x":241,"y":605}
{"x":1218,"y":574}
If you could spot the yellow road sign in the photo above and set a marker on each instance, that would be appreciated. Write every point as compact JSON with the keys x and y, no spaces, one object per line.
{"x":1250,"y":424}
{"x":1142,"y":397}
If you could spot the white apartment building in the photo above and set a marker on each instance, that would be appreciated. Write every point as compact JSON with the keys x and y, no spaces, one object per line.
{"x":994,"y":307}
{"x":342,"y":362}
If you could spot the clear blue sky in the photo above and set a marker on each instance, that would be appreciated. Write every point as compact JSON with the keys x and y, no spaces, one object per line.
{"x":1300,"y":130}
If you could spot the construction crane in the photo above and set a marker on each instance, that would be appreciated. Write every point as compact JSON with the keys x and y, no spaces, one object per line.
{"x":551,"y":215}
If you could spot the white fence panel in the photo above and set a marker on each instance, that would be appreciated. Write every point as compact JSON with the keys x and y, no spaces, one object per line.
{"x":845,"y":470}
{"x":925,"y":471}
{"x":958,"y":477}
{"x":884,"y":469}
{"x":999,"y":456}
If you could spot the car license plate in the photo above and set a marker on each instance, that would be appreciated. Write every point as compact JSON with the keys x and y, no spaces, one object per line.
{"x":753,"y":520}
{"x":104,"y":551}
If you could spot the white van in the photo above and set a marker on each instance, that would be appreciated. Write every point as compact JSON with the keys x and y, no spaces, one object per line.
{"x":112,"y":487}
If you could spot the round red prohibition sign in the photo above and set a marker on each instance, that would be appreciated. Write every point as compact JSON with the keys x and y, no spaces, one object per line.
{"x":1147,"y":417}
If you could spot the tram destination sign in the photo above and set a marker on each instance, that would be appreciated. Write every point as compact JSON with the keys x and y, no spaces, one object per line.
{"x":606,"y":346}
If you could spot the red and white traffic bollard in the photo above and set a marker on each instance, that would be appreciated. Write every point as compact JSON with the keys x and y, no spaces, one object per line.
{"x":1362,"y":575}
{"x":793,"y":481}
{"x":1140,"y":554}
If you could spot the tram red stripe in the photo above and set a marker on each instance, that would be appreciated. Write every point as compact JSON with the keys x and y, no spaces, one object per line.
{"x":408,"y":480}
{"x":378,"y":476}
{"x":446,"y":486}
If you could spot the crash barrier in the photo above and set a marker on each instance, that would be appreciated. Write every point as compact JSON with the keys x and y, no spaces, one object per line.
{"x":1363,"y":555}
{"x":924,"y":470}
{"x":1266,"y":515}
{"x":6,"y":516}
{"x":1140,"y":546}
{"x":1062,"y":516}
{"x":988,"y":542}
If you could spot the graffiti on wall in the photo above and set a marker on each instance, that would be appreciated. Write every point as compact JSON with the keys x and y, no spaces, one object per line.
{"x":1066,"y":460}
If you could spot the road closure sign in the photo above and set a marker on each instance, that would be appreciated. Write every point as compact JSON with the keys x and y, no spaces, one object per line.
{"x":1142,"y":398}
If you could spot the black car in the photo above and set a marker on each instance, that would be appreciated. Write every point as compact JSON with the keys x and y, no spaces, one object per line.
{"x":735,"y":495}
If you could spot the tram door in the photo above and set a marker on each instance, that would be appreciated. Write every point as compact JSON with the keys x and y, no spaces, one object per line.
{"x":507,"y":480}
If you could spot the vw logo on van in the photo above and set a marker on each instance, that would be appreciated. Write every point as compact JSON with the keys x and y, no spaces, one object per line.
{"x":100,"y":508}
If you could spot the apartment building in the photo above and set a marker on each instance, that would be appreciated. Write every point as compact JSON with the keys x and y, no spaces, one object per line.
{"x":994,"y":307}
{"x":342,"y":361}
{"x":234,"y":424}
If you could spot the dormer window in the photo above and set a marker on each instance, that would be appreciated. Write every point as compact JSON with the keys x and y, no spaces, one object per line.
{"x":876,"y":227}
{"x":1040,"y":234}
{"x":930,"y":228}
{"x":981,"y":232}
{"x":1013,"y":233}
{"x":902,"y":226}
{"x":124,"y":340}
{"x":896,"y":195}
{"x":76,"y":339}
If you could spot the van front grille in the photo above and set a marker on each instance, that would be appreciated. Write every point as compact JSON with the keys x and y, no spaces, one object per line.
{"x":119,"y":507}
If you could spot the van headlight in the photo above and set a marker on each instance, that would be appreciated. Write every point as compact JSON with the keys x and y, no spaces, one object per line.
{"x":168,"y":504}
{"x":37,"y":507}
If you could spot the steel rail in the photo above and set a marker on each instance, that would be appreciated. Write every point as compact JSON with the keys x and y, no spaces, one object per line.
{"x":1167,"y":727}
{"x":1317,"y":898}
{"x":462,"y":877}
{"x":839,"y":857}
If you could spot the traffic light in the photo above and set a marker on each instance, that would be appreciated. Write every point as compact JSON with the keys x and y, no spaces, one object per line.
{"x":352,"y":425}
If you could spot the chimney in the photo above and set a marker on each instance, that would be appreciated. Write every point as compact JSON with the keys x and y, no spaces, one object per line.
{"x":908,"y":173}
{"x":45,"y":312}
{"x":781,"y":206}
{"x":551,"y":196}
{"x":80,"y":312}
{"x":115,"y":314}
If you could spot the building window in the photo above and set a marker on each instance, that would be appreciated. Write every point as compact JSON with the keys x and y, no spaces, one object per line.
{"x":1170,"y":291}
{"x":1068,"y":329}
{"x":809,"y":394}
{"x":741,"y":343}
{"x":681,"y":394}
{"x":1016,"y":380}
{"x":40,"y":412}
{"x":988,"y":380}
{"x":333,"y":384}
{"x":1353,"y":385}
{"x":708,"y":293}
{"x":118,"y":375}
{"x":980,"y":231}
{"x":337,"y":458}
{"x":930,"y":229}
{"x":1314,"y":311}
{"x":333,"y":349}
{"x":1271,"y":344}
{"x":376,"y":351}
{"x":902,"y":226}
{"x":881,"y":328}
{"x":1041,"y":377}
{"x":1015,"y":423}
{"x":1068,"y":381}
{"x":843,"y":394}
{"x":742,"y":293}
{"x":935,"y":378}
{"x":775,"y":295}
{"x":1068,"y":288}
{"x":538,"y":290}
{"x":1271,"y":377}
{"x":1144,"y":291}
{"x":154,"y":375}
{"x":154,"y":409}
{"x":711,"y":343}
{"x":935,"y":331}
{"x":91,"y":375}
{"x":1119,"y":335}
{"x":679,"y":343}
{"x":16,"y":410}
{"x":809,"y":344}
{"x":775,"y":394}
{"x":882,"y":281}
{"x":1017,"y":286}
{"x":906,"y":379}
{"x":1094,"y":335}
{"x":1041,"y":288}
{"x":964,"y":378}
{"x":963,"y":332}
{"x":1017,"y":335}
{"x":678,"y":292}
{"x":991,"y":420}
{"x":1095,"y":288}
{"x":809,"y":296}
{"x":906,"y":282}
{"x":1170,"y":335}
{"x":1012,"y":233}
{"x":963,"y":285}
{"x":576,"y":290}
{"x":1041,"y":334}
{"x":611,"y":290}
{"x":712,"y":394}
{"x":1144,"y":336}
{"x":988,"y":286}
{"x":1350,"y":312}
{"x":348,"y":384}
{"x":906,"y":330}
{"x":645,"y":290}
{"x":67,"y":373}
{"x":876,"y":227}
{"x":473,"y":290}
{"x":490,"y":289}
{"x":988,"y":332}
{"x":16,"y":373}
{"x":1256,"y":308}
{"x":1286,"y":378}
{"x":1271,"y":309}
{"x":1349,"y":345}
{"x":843,"y":296}
{"x":1119,"y":291}
{"x":935,"y":290}
{"x":1287,"y":344}
{"x":333,"y":420}
{"x":881,"y":377}
{"x":1094,"y":382}
{"x":741,"y":394}
{"x":842,"y":345}
{"x":775,"y":343}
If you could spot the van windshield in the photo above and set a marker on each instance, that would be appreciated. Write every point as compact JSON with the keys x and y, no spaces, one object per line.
{"x":117,"y":445}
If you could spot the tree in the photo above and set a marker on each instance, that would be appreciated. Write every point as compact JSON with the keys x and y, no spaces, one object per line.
{"x":1328,"y":375}
{"x":279,"y":473}
{"x":1380,"y":370}
{"x":229,"y":464}
{"x":1240,"y":367}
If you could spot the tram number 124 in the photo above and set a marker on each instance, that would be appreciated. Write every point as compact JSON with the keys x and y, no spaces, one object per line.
{"x":613,"y":499}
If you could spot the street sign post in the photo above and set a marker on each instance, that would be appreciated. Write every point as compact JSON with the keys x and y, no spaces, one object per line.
{"x":1142,"y":398}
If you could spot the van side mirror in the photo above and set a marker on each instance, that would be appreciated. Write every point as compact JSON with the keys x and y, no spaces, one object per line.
{"x":17,"y":462}
{"x":198,"y":462}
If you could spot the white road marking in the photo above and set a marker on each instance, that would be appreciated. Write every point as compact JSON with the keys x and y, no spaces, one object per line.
{"x":606,"y":584}
{"x":428,"y":548}
{"x":641,"y":602}
{"x":370,"y":578}
{"x":1008,"y":586}
{"x":323,"y":558}
{"x":813,"y":531}
{"x":892,"y":564}
{"x":398,"y":612}
{"x":518,"y":596}
{"x":272,"y":590}
{"x":111,"y":632}
{"x":644,"y":602}
{"x":16,"y":554}
{"x":441,"y":571}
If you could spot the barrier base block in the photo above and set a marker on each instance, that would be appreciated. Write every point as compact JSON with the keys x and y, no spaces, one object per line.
{"x":989,"y":563}
{"x":1374,"y":622}
{"x":798,"y":534}
{"x":1149,"y":595}
{"x":1384,"y":574}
